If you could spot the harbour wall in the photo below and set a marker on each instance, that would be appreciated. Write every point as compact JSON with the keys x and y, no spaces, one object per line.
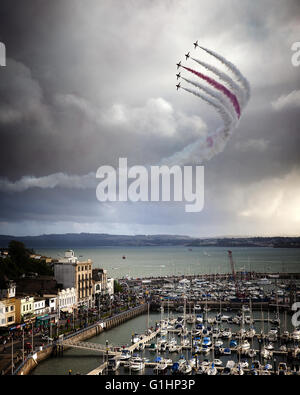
{"x":57,"y":350}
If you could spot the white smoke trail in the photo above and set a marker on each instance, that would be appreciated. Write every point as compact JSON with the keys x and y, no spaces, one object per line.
{"x":224,"y":104}
{"x":229,"y":121}
{"x":234,"y":69}
{"x":51,"y":181}
{"x":200,"y":150}
{"x":239,"y":92}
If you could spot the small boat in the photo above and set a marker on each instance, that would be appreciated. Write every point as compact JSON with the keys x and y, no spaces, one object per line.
{"x":193,"y":362}
{"x":264,"y":281}
{"x":250,"y":333}
{"x":245,"y":345}
{"x":191,"y":319}
{"x":233,"y":343}
{"x":251,"y":353}
{"x":137,"y":364}
{"x":161,"y":366}
{"x":283,"y":348}
{"x":174,"y":348}
{"x":212,"y":371}
{"x":268,"y":366}
{"x":125,"y":355}
{"x":178,"y":366}
{"x":244,"y":364}
{"x":186,"y":368}
{"x":270,"y":346}
{"x":229,"y":368}
{"x":218,"y":362}
{"x":206,"y":341}
{"x":296,"y":334}
{"x":219,"y":343}
{"x":226,"y":351}
{"x":227,"y":334}
{"x":266,"y":354}
{"x":135,"y":338}
{"x":113,"y":364}
{"x":215,"y":333}
{"x":224,"y":318}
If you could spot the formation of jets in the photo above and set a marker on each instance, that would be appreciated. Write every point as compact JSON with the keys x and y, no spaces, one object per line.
{"x":186,"y":58}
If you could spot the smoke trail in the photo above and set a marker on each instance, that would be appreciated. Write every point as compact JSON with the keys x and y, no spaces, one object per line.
{"x":228,"y":120}
{"x":226,"y":116}
{"x":224,"y":77}
{"x":218,"y":86}
{"x":205,"y":148}
{"x":215,"y":94}
{"x":234,"y":69}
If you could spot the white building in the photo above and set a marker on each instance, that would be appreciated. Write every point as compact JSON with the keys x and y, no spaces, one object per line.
{"x":110,"y":286}
{"x":67,"y":300}
{"x":2,"y":314}
{"x":72,"y":273}
{"x":51,"y":303}
{"x":39,"y":306}
{"x":9,"y":291}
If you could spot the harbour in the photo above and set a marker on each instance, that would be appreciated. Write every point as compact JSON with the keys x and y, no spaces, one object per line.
{"x":205,"y":337}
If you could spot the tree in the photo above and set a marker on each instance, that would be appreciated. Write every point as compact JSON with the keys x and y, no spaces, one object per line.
{"x":17,"y":251}
{"x":117,"y":287}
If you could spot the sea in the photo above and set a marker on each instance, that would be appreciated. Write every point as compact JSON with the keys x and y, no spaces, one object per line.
{"x":136,"y":262}
{"x":163,"y":261}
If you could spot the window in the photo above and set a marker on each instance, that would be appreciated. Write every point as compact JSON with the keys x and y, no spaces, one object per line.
{"x":10,"y":319}
{"x":11,"y":308}
{"x":6,"y":309}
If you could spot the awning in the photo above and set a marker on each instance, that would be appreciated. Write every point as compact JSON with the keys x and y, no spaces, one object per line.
{"x":41,"y":317}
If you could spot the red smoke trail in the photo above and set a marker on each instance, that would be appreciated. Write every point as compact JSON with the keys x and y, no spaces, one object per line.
{"x":220,"y":87}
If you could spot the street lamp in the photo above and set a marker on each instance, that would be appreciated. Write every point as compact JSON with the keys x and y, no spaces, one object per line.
{"x":12,"y":353}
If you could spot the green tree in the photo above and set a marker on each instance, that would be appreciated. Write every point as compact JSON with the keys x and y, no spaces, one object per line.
{"x":117,"y":287}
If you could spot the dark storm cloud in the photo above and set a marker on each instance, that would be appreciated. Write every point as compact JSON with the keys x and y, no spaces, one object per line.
{"x":86,"y":83}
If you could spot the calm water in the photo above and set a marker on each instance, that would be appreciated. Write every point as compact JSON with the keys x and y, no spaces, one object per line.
{"x":80,"y":361}
{"x":149,"y":261}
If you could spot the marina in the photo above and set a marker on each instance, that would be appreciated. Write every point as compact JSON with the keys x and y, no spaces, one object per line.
{"x":193,"y":336}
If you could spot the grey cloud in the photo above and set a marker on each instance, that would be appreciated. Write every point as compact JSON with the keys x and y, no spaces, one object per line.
{"x":75,"y":70}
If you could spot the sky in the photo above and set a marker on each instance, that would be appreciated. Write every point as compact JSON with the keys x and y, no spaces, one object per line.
{"x":88,"y":82}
